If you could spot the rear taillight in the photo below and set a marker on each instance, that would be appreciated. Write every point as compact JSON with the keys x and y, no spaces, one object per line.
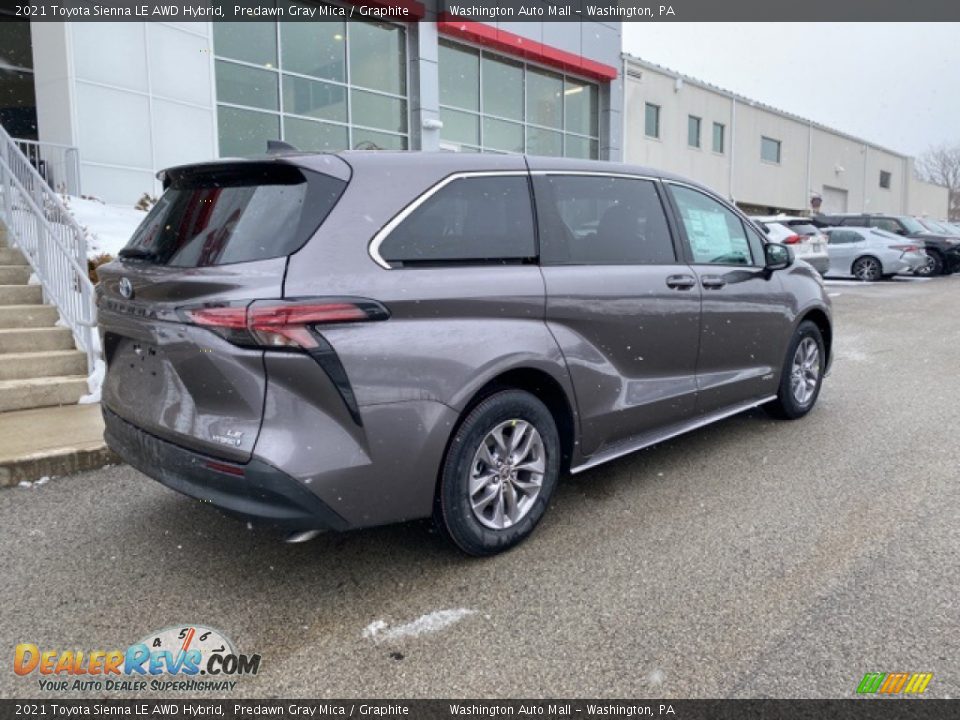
{"x":793,"y":240}
{"x":905,"y":248}
{"x":283,"y":324}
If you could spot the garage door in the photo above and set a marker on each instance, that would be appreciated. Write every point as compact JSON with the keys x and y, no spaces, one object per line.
{"x":834,"y":200}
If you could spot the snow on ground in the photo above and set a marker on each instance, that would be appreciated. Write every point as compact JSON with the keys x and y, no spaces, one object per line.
{"x":433,"y":622}
{"x":109,"y":226}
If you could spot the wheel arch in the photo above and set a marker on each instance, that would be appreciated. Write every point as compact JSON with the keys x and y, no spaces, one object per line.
{"x":867,"y":255}
{"x":542,"y":385}
{"x":820,"y":318}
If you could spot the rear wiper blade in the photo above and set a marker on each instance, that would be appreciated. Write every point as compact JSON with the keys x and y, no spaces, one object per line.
{"x":138,"y":254}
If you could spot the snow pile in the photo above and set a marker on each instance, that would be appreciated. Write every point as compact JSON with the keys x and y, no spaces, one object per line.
{"x":108,"y":227}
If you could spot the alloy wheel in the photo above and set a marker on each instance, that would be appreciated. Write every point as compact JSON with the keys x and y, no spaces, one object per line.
{"x":506,"y":474}
{"x":867,"y":270}
{"x":805,"y":374}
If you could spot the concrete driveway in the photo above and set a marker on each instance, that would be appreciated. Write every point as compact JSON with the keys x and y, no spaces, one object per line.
{"x":751,"y":558}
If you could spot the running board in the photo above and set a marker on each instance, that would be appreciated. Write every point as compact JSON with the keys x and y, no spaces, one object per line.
{"x":659,"y":436}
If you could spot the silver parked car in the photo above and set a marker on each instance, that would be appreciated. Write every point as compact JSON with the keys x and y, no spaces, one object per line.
{"x":340,"y":341}
{"x":870,"y":254}
{"x":805,"y":239}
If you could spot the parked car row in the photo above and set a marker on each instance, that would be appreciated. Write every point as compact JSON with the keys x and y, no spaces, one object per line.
{"x":868,"y":247}
{"x":941,"y":245}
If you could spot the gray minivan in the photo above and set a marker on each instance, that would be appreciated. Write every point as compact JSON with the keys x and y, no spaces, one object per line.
{"x":334,"y":341}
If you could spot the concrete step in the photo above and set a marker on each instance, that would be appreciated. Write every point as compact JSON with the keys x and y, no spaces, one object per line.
{"x":41,"y":392}
{"x":51,"y":442}
{"x":18,"y":340}
{"x":21,"y":295}
{"x":11,"y":256}
{"x":14,"y":274}
{"x":27,"y":316}
{"x":23,"y":366}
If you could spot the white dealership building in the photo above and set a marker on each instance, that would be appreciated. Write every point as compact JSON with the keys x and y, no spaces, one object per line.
{"x":765,"y":159}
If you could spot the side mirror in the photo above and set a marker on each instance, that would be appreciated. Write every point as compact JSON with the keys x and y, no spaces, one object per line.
{"x":778,"y":256}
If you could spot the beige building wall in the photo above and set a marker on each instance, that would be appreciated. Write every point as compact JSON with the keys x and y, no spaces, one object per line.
{"x":927,"y":200}
{"x":758,"y":181}
{"x":671,"y":151}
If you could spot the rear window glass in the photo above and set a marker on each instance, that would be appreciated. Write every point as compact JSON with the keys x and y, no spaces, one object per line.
{"x":804,"y":228}
{"x":232,"y":214}
{"x":470,"y":220}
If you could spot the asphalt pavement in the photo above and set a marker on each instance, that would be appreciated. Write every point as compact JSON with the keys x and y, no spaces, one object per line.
{"x":753,"y":558}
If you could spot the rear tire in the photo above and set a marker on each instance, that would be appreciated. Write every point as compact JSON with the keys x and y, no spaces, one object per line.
{"x":867,"y":269}
{"x":498,"y":474}
{"x":802,"y":374}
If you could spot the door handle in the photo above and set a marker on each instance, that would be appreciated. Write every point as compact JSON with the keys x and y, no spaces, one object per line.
{"x":712,"y":282}
{"x":681,"y":282}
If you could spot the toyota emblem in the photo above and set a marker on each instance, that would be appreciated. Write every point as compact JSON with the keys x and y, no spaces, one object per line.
{"x":126,"y":288}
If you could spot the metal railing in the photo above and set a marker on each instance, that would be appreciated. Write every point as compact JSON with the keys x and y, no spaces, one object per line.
{"x":58,"y":164}
{"x":39,"y":224}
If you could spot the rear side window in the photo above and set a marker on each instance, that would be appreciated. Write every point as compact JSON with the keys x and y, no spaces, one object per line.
{"x":231,"y":214}
{"x":601,"y":220}
{"x":484,"y":219}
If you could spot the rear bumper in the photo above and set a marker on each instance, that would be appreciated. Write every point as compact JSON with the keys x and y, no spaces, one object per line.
{"x":255,"y":491}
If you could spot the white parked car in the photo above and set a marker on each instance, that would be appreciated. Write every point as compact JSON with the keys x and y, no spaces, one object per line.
{"x":870,"y":253}
{"x":806,"y":239}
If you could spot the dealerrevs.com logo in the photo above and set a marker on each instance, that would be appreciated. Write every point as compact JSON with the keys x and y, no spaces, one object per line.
{"x":186,"y":657}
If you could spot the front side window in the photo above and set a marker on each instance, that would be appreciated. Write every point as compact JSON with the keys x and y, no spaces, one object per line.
{"x":843,"y":237}
{"x":770,"y":150}
{"x":597,"y":220}
{"x":468,"y":220}
{"x":652,"y":120}
{"x":321,"y":86}
{"x":718,"y":132}
{"x":715,"y":235}
{"x":693,"y":131}
{"x":491,"y":103}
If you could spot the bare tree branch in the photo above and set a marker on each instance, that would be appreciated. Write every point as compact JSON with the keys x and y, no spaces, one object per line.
{"x":941,"y":165}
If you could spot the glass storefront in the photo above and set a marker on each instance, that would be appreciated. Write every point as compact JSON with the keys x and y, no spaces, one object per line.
{"x":323,"y":86}
{"x":491,"y":103}
{"x":18,"y":102}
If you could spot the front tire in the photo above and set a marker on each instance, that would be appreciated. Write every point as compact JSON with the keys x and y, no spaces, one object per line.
{"x":802,"y":374}
{"x":934,"y":266}
{"x":498,"y":474}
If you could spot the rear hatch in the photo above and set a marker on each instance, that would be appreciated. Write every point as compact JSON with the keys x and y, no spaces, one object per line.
{"x":217,"y":241}
{"x":813,"y":241}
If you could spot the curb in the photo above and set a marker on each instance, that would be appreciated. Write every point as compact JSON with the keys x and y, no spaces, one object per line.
{"x":55,"y":463}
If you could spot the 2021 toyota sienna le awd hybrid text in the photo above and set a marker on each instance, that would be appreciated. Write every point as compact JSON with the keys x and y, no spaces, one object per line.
{"x":345,"y":340}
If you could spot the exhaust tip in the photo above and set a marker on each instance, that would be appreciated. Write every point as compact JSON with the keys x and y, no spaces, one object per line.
{"x":302,"y":536}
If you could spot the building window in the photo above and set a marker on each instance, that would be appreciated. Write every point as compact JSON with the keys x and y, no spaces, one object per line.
{"x":319,"y":86}
{"x":718,"y":130}
{"x":491,"y":103}
{"x":770,"y":150}
{"x":18,"y":103}
{"x":652,"y":122}
{"x":885,"y":179}
{"x":693,"y":131}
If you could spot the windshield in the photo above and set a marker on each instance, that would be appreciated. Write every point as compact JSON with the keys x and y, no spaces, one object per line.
{"x":912,"y":225}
